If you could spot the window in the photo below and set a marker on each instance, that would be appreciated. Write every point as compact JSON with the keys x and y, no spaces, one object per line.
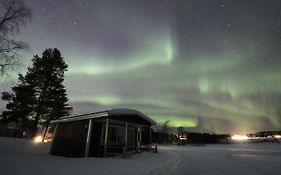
{"x":116,"y":135}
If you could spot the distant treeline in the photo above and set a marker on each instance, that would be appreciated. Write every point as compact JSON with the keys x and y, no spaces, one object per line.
{"x":189,"y":138}
{"x":202,"y":138}
{"x":163,"y":135}
{"x":264,"y":133}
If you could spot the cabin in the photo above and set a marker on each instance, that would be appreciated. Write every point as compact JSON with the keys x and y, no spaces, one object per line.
{"x":101,"y":134}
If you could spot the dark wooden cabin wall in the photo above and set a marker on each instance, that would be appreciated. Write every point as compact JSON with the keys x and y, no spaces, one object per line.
{"x":95,"y":148}
{"x":70,"y":139}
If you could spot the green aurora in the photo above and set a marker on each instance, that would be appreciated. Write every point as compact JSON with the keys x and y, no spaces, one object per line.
{"x":202,"y":65}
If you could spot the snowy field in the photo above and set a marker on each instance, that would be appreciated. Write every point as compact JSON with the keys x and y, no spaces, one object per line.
{"x":22,"y":157}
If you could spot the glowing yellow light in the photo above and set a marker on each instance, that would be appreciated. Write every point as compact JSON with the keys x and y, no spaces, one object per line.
{"x":239,"y":137}
{"x":183,"y":138}
{"x":37,"y":139}
{"x":278,"y":136}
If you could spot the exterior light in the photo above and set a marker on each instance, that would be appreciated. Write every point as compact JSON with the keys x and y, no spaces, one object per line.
{"x":239,"y":137}
{"x":37,"y":139}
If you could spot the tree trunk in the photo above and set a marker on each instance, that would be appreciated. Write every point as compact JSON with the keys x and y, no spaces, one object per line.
{"x":39,"y":109}
{"x":35,"y":124}
{"x":45,"y":132}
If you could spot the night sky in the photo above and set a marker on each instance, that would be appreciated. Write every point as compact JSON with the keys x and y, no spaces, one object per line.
{"x":210,"y":65}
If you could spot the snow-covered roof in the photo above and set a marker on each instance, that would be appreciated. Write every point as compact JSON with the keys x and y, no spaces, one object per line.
{"x":127,"y":111}
{"x":110,"y":112}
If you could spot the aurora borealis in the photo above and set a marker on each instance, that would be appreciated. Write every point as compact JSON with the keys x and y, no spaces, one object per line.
{"x":209,"y":65}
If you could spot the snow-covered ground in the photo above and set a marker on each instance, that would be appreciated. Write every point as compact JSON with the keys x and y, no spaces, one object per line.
{"x":22,"y":157}
{"x":19,"y":156}
{"x":232,"y":159}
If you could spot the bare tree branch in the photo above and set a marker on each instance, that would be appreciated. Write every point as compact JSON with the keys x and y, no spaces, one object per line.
{"x":13,"y":14}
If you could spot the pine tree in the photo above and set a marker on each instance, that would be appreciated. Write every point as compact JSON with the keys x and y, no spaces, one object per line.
{"x":20,"y":105}
{"x":45,"y":78}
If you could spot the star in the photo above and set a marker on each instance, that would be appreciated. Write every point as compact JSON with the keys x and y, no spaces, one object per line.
{"x":169,"y":59}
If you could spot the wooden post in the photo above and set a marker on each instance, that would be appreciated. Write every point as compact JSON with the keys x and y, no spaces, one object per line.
{"x":138,"y":142}
{"x":89,"y":135}
{"x":124,"y":152}
{"x":105,"y":137}
{"x":150,"y":135}
{"x":126,"y":136}
{"x":140,"y":136}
